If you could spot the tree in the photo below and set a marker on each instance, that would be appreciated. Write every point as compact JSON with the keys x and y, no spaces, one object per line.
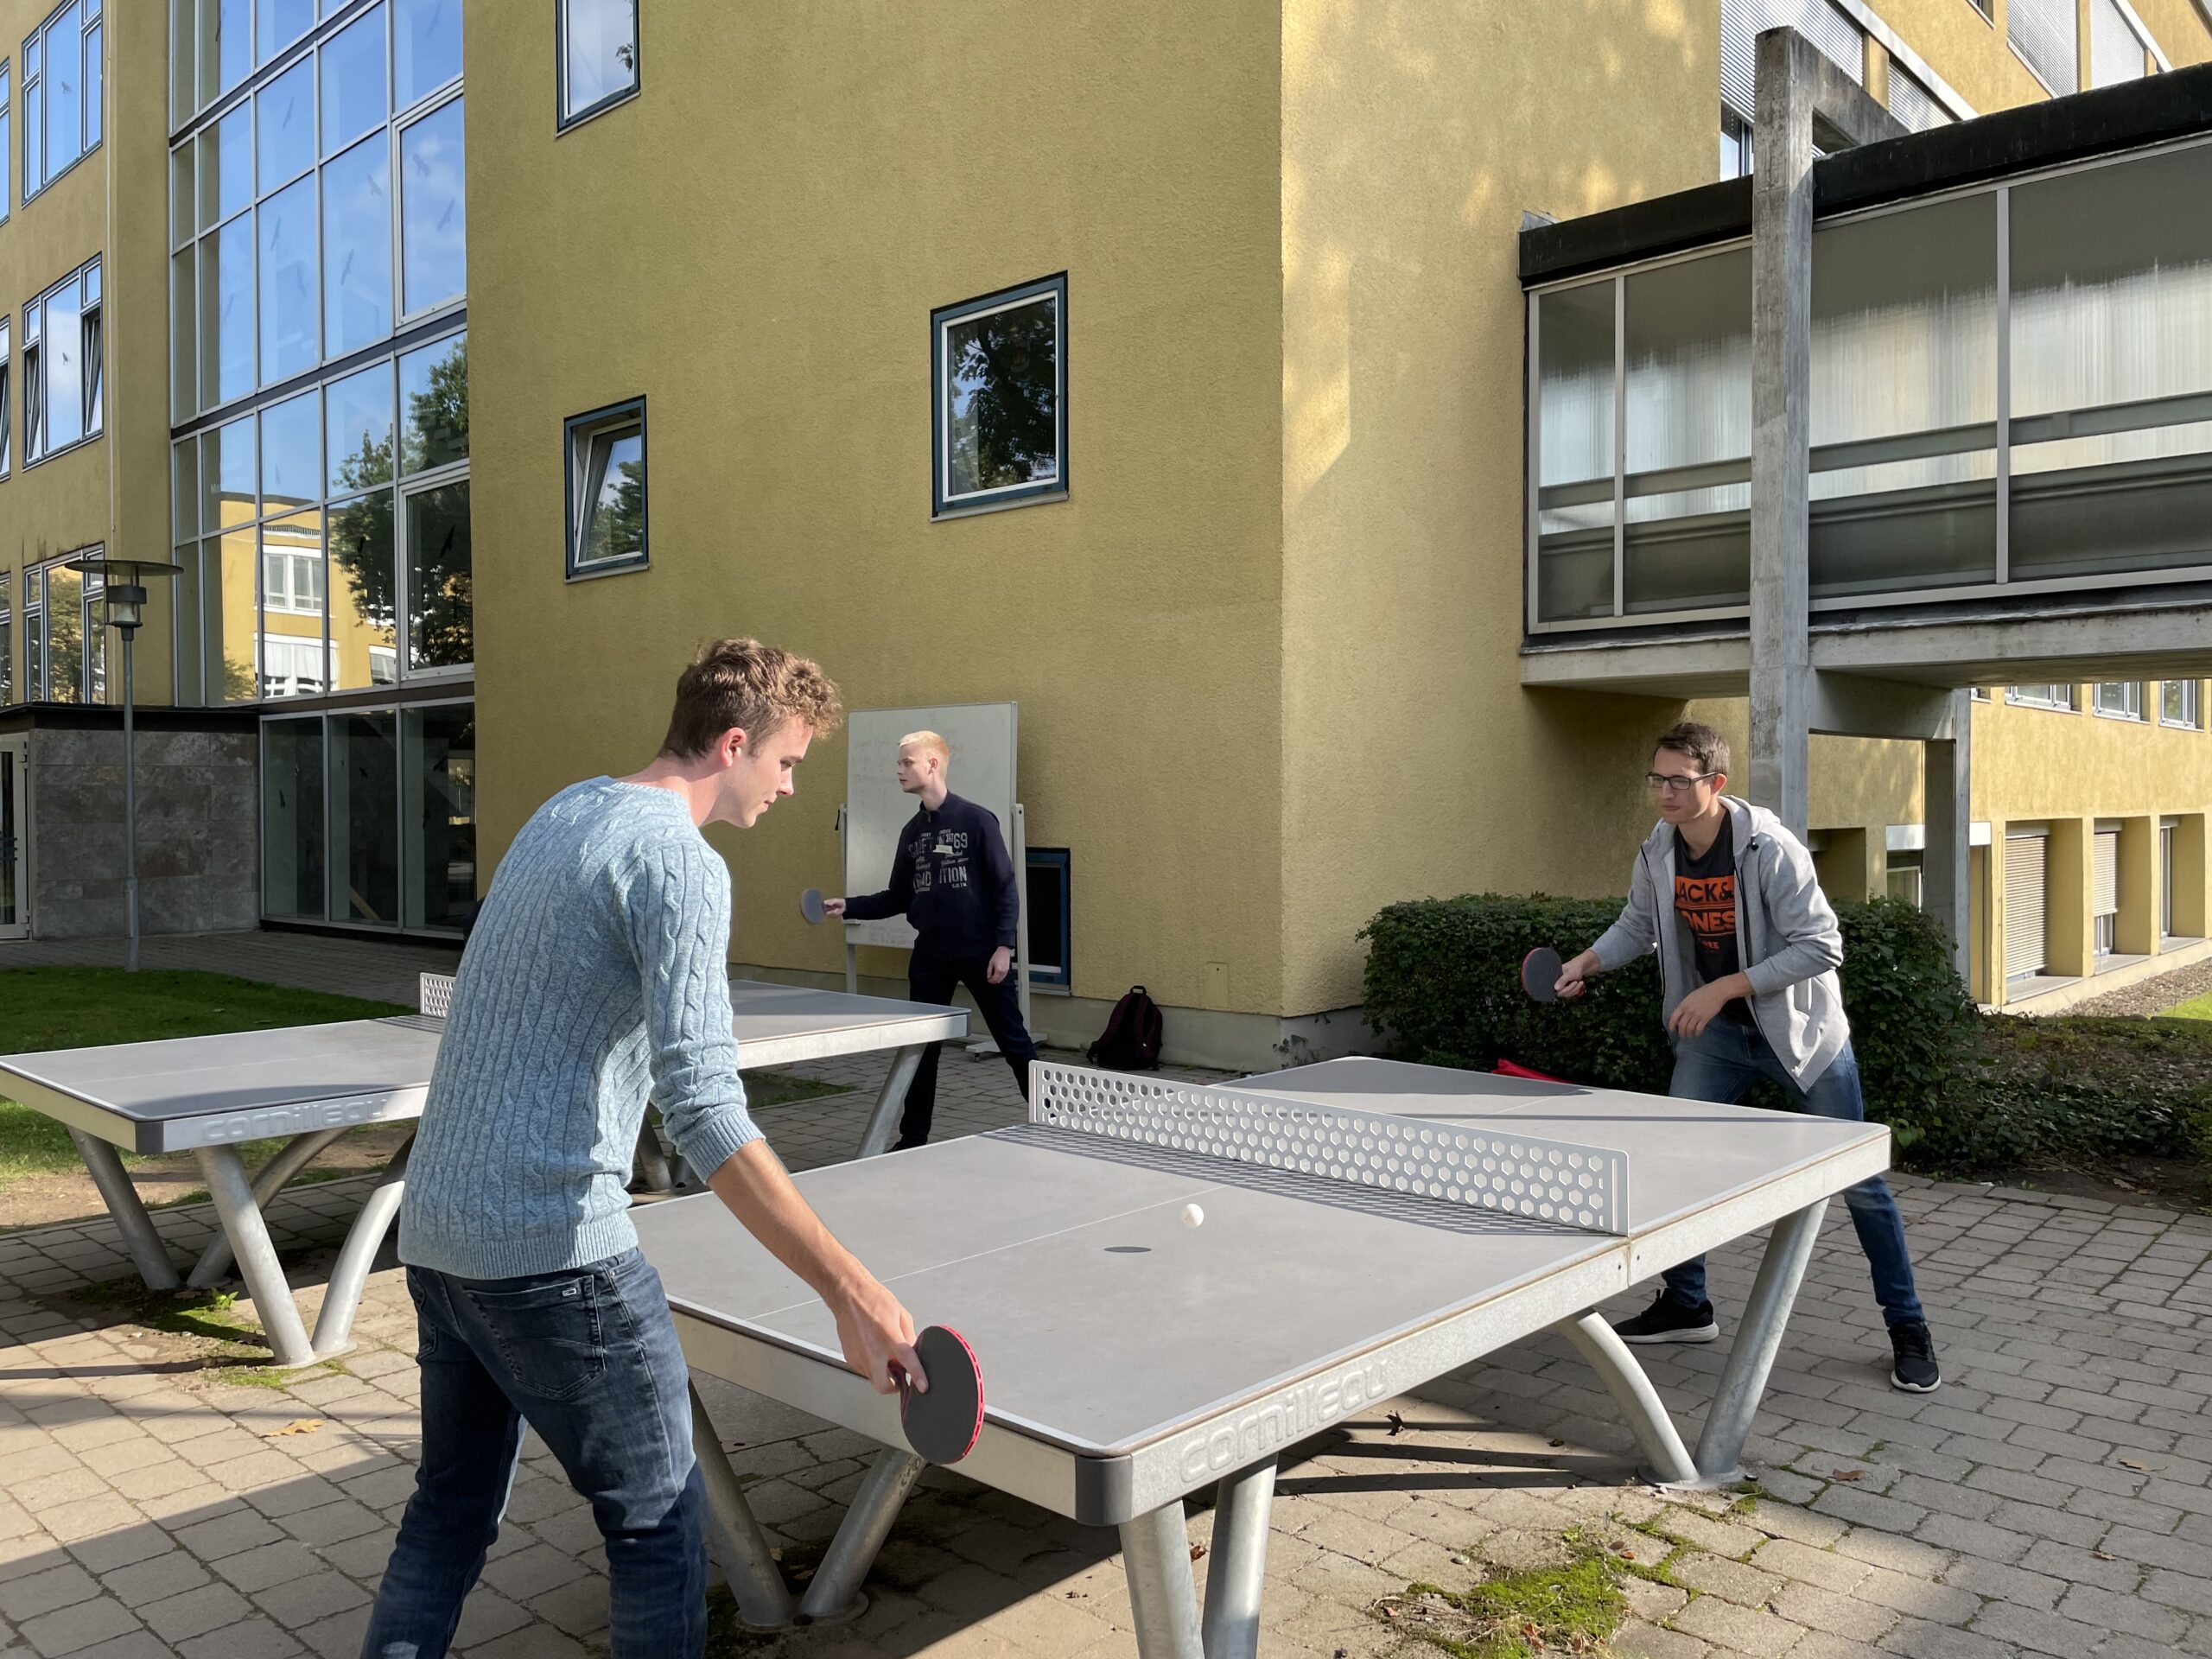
{"x":1005,"y":383}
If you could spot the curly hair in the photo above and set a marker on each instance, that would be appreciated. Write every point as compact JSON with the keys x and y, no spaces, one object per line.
{"x":754,"y":688}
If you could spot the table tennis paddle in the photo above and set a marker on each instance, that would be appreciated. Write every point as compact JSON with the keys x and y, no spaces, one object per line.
{"x":810,"y":905}
{"x":944,"y":1424}
{"x":1540,"y":972}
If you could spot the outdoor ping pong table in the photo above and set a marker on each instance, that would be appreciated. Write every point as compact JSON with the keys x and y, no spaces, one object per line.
{"x":1369,"y":1226}
{"x":309,"y":1084}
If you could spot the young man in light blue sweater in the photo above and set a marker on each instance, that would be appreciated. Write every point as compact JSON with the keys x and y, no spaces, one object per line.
{"x":597,"y":978}
{"x":1748,"y":949}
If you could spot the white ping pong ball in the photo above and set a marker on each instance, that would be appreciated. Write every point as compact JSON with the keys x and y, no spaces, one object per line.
{"x":1192,"y":1215}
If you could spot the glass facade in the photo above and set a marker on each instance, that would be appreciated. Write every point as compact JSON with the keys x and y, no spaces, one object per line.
{"x":1926,"y":478}
{"x":319,"y":494}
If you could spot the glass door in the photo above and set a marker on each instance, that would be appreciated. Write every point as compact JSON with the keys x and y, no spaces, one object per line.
{"x":14,"y":889}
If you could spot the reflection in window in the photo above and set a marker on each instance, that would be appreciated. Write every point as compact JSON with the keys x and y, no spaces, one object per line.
{"x":284,"y":117}
{"x":292,"y":859}
{"x":353,"y":87}
{"x":432,"y":210}
{"x":357,"y":423}
{"x":357,"y":247}
{"x":1574,"y":452}
{"x":365,"y":619}
{"x":2121,"y":698}
{"x":1000,"y":398}
{"x":2177,"y":703}
{"x":278,"y":24}
{"x":438,"y":782}
{"x":606,"y":490}
{"x":290,"y":293}
{"x":62,"y":364}
{"x":7,"y":404}
{"x":440,"y":607}
{"x":434,"y":402}
{"x":426,"y":39}
{"x":62,"y":92}
{"x":599,"y":55}
{"x":7,"y":136}
{"x":291,"y":453}
{"x":364,"y":816}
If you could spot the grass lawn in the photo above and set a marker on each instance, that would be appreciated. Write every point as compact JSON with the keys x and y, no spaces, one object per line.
{"x":2197,"y":1008}
{"x":84,"y":1008}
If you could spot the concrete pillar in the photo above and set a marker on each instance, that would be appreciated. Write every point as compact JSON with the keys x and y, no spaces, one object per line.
{"x":2070,"y":890}
{"x":1782,"y":346}
{"x":2136,"y":932}
{"x":1995,"y":968}
{"x":1985,"y":978}
{"x":1946,"y":810}
{"x":2190,"y":887}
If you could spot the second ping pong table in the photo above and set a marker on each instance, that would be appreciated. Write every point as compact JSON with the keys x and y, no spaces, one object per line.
{"x":1368,"y":1226}
{"x":309,"y":1084}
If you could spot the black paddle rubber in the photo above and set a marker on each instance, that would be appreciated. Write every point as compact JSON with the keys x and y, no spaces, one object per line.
{"x":944,"y":1424}
{"x":1540,"y":972}
{"x":810,"y":905}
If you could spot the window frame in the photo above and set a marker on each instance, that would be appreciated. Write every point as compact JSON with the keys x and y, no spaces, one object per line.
{"x":7,"y":394}
{"x":942,"y":319}
{"x":2132,"y":706}
{"x":577,"y":433}
{"x":92,"y":18}
{"x":7,"y":640}
{"x":7,"y":134}
{"x":2014,"y":697}
{"x":38,"y":603}
{"x":1063,"y":978}
{"x":91,"y":291}
{"x":564,"y":121}
{"x":2191,"y":718}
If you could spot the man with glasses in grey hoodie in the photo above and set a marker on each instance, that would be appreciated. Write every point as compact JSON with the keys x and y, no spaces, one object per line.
{"x":1748,"y":949}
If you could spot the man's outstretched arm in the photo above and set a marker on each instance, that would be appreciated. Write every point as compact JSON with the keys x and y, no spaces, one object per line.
{"x":872,"y":1327}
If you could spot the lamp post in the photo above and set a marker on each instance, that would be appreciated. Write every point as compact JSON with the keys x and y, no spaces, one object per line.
{"x":123,"y":588}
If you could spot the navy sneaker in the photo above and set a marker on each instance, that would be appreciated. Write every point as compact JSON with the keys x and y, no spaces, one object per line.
{"x":1914,"y":1371}
{"x":1668,"y":1320}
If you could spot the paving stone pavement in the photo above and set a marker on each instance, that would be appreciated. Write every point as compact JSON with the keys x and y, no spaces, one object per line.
{"x":2056,"y":1497}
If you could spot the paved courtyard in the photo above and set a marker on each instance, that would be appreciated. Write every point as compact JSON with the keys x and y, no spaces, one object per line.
{"x":2056,"y":1497}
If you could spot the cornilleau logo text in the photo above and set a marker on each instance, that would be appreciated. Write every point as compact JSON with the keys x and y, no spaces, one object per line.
{"x":304,"y":1119}
{"x":1282,"y":1421}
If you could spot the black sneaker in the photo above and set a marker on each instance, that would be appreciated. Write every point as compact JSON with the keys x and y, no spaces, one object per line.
{"x":1668,"y":1320}
{"x":1914,"y":1371}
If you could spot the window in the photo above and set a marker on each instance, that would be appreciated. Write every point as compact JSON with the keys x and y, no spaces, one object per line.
{"x":65,"y":634}
{"x":2104,"y":872}
{"x":1735,"y":144}
{"x":7,"y":404}
{"x":1980,"y":693}
{"x":2168,"y":832}
{"x":62,"y":366}
{"x":2115,"y":53}
{"x":7,"y":644}
{"x":2026,"y":918}
{"x":999,"y":379}
{"x":326,"y":206}
{"x":2043,"y":33}
{"x":1051,"y":917}
{"x":325,"y":538}
{"x":62,"y":93}
{"x":7,"y":134}
{"x":597,"y":46}
{"x":606,"y":490}
{"x":2042,"y":697}
{"x":2178,"y":702}
{"x":1903,"y":877}
{"x":2122,"y":699}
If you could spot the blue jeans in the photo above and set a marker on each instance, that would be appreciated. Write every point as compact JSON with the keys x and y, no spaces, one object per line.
{"x":588,"y":1357}
{"x":1720,"y":1064}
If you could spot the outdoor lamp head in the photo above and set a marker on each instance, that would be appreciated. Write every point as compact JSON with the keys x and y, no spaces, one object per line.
{"x":123,"y":585}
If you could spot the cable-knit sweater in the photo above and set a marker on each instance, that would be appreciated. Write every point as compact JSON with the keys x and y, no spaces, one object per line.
{"x":596,"y":978}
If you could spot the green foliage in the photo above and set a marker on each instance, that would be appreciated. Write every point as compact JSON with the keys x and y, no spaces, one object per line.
{"x":1961,"y":1092}
{"x":1572,"y":1608}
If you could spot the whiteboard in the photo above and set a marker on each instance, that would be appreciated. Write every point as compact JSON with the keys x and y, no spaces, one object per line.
{"x":983,"y":738}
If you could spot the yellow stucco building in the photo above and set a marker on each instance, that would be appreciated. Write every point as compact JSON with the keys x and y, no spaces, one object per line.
{"x":1164,"y":370}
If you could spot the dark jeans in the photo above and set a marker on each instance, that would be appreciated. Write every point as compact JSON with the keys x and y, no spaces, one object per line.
{"x":589,"y":1358}
{"x":931,"y":980}
{"x":1720,"y":1064}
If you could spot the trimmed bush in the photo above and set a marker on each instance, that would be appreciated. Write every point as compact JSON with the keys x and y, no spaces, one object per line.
{"x":1444,"y":984}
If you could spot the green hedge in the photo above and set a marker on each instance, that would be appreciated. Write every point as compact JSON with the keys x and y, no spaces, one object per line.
{"x":1443,"y":983}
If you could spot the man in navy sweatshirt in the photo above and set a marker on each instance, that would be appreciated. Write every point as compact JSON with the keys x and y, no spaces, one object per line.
{"x":952,"y":880}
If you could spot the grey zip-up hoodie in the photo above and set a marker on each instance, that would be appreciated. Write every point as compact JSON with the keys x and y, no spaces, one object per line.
{"x":1786,"y":938}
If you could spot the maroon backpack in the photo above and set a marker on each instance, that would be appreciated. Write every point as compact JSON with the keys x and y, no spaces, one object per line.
{"x":1131,"y":1040}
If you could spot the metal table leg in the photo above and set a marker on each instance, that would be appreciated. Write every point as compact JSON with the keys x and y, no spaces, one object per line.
{"x":891,"y":1101}
{"x":341,"y":1297}
{"x":1237,"y":1573}
{"x":290,"y":1158}
{"x":835,"y":1591}
{"x":733,"y":1537}
{"x":147,"y":1254}
{"x":1669,"y":1460}
{"x":1156,"y":1554}
{"x":256,"y":1255}
{"x":1728,"y":1424}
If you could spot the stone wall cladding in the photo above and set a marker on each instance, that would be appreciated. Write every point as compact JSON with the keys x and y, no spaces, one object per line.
{"x":199,"y":834}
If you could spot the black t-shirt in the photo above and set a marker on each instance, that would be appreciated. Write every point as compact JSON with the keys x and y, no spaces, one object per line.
{"x":1705,"y":897}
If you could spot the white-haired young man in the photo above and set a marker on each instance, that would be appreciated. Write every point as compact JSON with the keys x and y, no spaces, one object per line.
{"x":952,"y":878}
{"x":1748,"y":949}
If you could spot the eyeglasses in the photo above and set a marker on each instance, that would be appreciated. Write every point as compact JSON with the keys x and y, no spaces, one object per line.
{"x":1663,"y":784}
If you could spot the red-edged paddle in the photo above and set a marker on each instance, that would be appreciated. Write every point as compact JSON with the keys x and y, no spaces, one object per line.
{"x":1540,"y":972}
{"x":943,"y":1423}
